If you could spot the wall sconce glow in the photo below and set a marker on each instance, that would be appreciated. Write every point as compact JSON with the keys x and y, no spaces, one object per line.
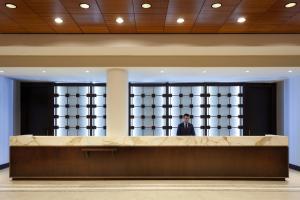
{"x":216,"y":5}
{"x":58,"y":20}
{"x":10,"y":5}
{"x":120,"y":20}
{"x":247,"y":71}
{"x":84,"y":5}
{"x":204,"y":71}
{"x":44,"y":71}
{"x":162,"y":71}
{"x":290,"y":5}
{"x":241,"y":20}
{"x":1,"y":71}
{"x":87,"y":71}
{"x":180,"y":20}
{"x":290,"y":71}
{"x":146,"y":5}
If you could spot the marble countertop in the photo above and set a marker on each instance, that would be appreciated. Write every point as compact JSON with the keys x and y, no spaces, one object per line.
{"x":29,"y":140}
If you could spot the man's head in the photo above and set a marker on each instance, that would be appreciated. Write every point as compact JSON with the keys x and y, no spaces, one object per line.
{"x":186,"y":118}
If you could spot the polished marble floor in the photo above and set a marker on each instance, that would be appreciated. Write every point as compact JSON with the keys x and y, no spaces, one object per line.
{"x":150,"y":189}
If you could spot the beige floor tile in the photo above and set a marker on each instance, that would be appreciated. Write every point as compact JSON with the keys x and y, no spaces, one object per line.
{"x":150,"y":189}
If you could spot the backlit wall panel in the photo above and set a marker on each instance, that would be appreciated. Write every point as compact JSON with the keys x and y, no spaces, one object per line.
{"x":186,"y":99}
{"x":225,"y":110}
{"x":79,"y":110}
{"x":147,"y":111}
{"x":157,"y":109}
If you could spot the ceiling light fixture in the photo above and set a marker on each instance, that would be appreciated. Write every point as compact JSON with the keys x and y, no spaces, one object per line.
{"x":290,"y":5}
{"x":84,"y":5}
{"x":146,"y":5}
{"x":241,"y":20}
{"x":119,"y":20}
{"x":180,"y":20}
{"x":10,"y":5}
{"x":58,"y":20}
{"x":216,"y":5}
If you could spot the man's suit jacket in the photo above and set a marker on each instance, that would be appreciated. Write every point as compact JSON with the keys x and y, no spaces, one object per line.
{"x":181,"y":130}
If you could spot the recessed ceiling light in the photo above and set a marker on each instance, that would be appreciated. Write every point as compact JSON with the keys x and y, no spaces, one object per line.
{"x":241,"y":19}
{"x":146,"y":5}
{"x":10,"y":5}
{"x":58,"y":20}
{"x":290,"y":5}
{"x":247,"y":71}
{"x":119,"y":20}
{"x":84,"y":5}
{"x":180,"y":20}
{"x":290,"y":71}
{"x":87,"y":71}
{"x":216,"y":5}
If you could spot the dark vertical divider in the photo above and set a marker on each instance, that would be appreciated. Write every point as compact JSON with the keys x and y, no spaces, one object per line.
{"x":259,"y":109}
{"x":37,"y":109}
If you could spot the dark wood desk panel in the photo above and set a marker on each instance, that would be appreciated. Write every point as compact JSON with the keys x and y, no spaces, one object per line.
{"x":178,"y":162}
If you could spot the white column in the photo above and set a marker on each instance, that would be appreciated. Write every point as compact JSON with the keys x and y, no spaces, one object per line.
{"x":117,"y":103}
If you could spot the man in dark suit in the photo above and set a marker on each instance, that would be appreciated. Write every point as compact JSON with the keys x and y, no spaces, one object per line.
{"x":185,"y":128}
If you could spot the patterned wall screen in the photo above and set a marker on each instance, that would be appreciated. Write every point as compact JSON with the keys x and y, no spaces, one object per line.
{"x":187,"y":99}
{"x":225,"y":110}
{"x":157,"y":109}
{"x":147,"y":110}
{"x":80,"y":110}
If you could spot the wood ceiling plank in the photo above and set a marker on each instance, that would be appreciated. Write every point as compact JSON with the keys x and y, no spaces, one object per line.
{"x":115,"y":6}
{"x":185,"y":7}
{"x":210,"y":17}
{"x":22,"y":8}
{"x":157,"y":7}
{"x":127,"y":27}
{"x":171,"y":24}
{"x":7,"y":25}
{"x":46,"y":7}
{"x":68,"y":26}
{"x":91,"y":23}
{"x":73,"y":6}
{"x":149,"y":23}
{"x":37,"y":16}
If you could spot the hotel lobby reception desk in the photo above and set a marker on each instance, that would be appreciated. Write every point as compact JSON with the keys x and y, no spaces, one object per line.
{"x":247,"y":157}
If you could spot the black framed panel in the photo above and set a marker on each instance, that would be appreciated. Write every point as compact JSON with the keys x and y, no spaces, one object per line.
{"x":80,"y":109}
{"x":260,"y":109}
{"x":37,"y":108}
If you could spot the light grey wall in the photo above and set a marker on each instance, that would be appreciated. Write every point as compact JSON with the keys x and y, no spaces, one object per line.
{"x":6,"y":117}
{"x":292,"y":118}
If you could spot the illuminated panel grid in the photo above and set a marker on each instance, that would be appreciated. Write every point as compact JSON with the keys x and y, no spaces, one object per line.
{"x":190,"y":100}
{"x":98,"y":111}
{"x":225,"y":110}
{"x":79,"y":110}
{"x":147,"y":111}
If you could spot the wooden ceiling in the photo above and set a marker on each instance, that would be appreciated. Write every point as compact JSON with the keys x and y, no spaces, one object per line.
{"x":37,"y":16}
